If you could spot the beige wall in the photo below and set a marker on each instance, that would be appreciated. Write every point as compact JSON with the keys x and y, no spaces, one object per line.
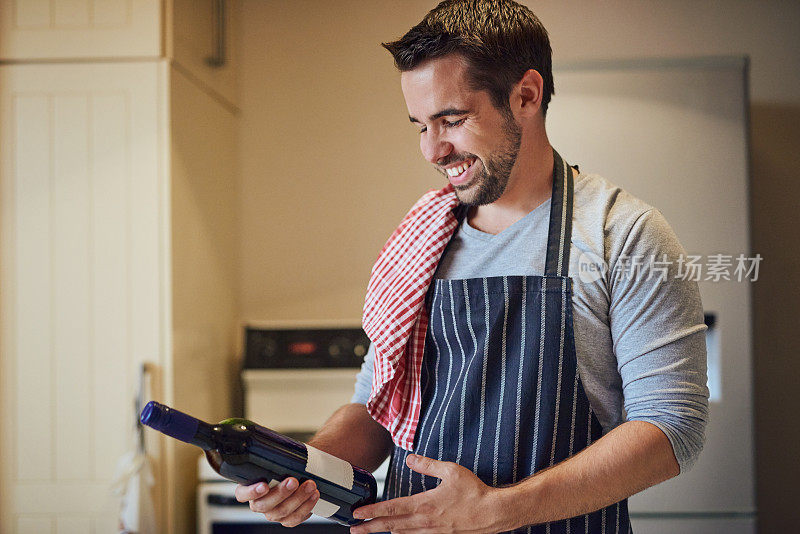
{"x":203,"y":128}
{"x":204,"y":273}
{"x":329,"y":163}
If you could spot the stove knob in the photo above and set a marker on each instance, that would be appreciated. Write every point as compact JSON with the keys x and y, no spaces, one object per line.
{"x":270,"y":347}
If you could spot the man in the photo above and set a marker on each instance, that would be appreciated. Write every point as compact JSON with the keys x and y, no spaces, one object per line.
{"x":537,"y":371}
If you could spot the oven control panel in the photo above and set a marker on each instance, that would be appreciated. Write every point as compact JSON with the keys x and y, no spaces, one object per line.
{"x":315,"y":348}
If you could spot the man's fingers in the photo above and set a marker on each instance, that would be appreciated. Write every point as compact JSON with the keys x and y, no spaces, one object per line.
{"x":386,"y":524}
{"x":253,"y":491}
{"x":302,"y":512}
{"x":429,"y":466}
{"x":392,"y":507}
{"x":274,"y":497}
{"x":288,"y":505}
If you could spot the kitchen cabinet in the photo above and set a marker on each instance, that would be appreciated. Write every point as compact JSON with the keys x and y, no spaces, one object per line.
{"x":70,"y":29}
{"x":83,"y":272}
{"x":118,"y":243}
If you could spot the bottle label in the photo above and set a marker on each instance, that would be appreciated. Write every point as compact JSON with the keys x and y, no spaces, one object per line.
{"x":329,"y":467}
{"x":324,"y":509}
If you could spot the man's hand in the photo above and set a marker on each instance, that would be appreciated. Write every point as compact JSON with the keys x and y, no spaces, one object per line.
{"x":285,"y":503}
{"x":460,"y":503}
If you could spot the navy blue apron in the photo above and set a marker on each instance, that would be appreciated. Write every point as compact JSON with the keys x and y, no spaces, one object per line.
{"x":501,"y":393}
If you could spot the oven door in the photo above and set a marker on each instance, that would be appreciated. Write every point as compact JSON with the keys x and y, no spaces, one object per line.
{"x":220,"y":513}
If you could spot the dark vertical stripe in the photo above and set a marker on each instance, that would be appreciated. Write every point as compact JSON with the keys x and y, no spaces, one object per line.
{"x":560,"y":373}
{"x":556,"y":207}
{"x":502,"y":383}
{"x":464,"y":383}
{"x":538,"y":406}
{"x":523,"y":327}
{"x":432,"y":406}
{"x":559,"y":236}
{"x":449,"y":375}
{"x":483,"y":376}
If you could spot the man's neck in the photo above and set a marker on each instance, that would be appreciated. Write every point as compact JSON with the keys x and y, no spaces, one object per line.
{"x":530,"y":184}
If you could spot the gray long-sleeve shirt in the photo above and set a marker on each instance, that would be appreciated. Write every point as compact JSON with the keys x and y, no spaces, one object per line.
{"x":639,"y":331}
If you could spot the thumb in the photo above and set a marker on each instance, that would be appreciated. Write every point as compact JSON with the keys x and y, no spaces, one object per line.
{"x":427,"y":466}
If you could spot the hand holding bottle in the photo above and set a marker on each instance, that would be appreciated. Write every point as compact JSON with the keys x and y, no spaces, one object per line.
{"x":251,"y":455}
{"x":285,"y":503}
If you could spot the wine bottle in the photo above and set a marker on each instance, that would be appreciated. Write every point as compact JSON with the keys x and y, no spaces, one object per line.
{"x":245,"y":452}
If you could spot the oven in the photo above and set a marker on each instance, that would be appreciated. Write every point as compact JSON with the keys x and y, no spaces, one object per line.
{"x":293,"y":379}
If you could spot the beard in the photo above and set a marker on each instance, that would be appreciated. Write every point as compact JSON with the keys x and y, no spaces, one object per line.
{"x":491,"y":180}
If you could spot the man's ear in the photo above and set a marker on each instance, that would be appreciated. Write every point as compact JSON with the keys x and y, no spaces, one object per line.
{"x":527,"y":94}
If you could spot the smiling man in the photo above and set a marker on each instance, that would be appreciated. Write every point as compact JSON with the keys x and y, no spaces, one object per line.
{"x":526,"y":373}
{"x":473,"y":124}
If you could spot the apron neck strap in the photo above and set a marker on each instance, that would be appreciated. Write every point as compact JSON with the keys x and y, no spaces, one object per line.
{"x":560,"y":233}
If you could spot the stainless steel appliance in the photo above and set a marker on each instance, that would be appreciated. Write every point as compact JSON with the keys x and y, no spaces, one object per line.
{"x":294,"y":378}
{"x":674,"y":132}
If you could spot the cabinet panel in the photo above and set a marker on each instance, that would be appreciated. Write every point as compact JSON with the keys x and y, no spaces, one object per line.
{"x":82,"y":266}
{"x":58,"y":29}
{"x":31,"y":197}
{"x":35,"y":525}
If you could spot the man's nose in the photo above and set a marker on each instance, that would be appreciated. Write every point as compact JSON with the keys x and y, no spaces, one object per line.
{"x":434,"y":147}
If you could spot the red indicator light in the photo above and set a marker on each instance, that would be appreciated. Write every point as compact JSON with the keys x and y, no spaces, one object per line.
{"x":302,"y":348}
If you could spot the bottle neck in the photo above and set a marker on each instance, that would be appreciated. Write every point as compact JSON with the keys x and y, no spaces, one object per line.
{"x":204,"y":437}
{"x":178,"y":425}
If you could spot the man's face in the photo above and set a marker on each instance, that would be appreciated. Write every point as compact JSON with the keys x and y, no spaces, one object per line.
{"x":472,"y":143}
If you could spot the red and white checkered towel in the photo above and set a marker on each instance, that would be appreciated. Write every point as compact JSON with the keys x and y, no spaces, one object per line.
{"x":395,"y":318}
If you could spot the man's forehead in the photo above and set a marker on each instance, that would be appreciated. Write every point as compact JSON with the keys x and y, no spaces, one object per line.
{"x":436,"y":85}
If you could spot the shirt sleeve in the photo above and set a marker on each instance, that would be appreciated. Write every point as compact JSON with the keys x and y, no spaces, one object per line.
{"x":363,"y":385}
{"x":658,"y":335}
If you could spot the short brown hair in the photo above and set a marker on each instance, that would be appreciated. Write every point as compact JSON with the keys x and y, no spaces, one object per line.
{"x":500,"y":39}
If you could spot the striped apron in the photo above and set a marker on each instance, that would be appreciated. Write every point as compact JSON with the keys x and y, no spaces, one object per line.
{"x":501,"y":392}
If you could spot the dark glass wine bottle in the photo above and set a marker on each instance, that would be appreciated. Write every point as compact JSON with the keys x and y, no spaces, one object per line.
{"x":245,"y":452}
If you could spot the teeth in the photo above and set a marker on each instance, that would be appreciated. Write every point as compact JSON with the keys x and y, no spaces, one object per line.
{"x":455,"y":171}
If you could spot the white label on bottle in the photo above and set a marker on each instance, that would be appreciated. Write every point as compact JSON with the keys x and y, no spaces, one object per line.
{"x":329,"y":467}
{"x":324,"y":508}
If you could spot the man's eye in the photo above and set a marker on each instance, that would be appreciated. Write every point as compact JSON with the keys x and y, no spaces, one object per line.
{"x":459,"y":122}
{"x":423,"y":130}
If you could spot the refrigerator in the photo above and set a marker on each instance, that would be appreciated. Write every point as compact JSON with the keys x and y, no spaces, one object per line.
{"x":674,"y":132}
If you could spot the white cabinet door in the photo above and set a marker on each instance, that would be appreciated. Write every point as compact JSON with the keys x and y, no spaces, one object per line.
{"x":83,"y":268}
{"x":41,"y":29}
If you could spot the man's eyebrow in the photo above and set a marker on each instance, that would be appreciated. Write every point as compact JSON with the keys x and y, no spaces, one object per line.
{"x":444,"y":113}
